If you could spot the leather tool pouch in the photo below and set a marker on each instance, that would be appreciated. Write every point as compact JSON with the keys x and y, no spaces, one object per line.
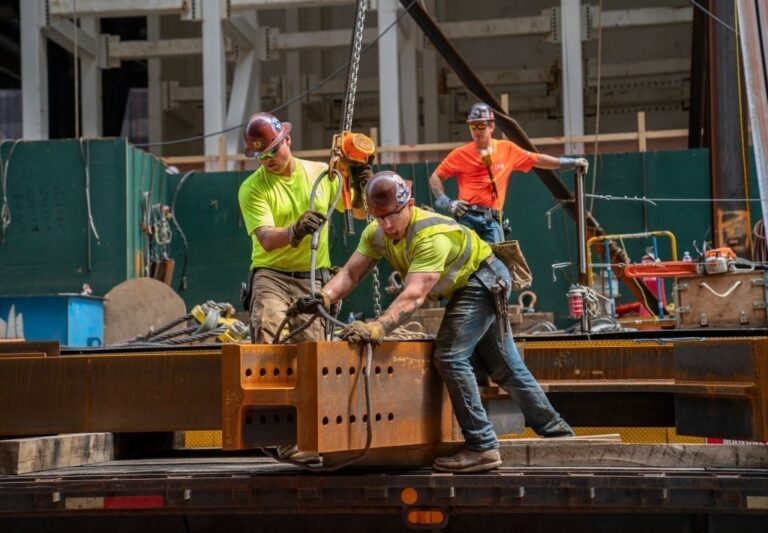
{"x":512,"y":256}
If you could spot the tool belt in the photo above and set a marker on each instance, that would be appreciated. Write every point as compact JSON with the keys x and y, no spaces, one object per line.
{"x":488,"y":213}
{"x":321,"y":274}
{"x":246,"y":287}
{"x":512,"y":256}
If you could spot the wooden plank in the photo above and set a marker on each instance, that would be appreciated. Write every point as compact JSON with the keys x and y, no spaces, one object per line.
{"x":575,"y":453}
{"x":18,"y":348}
{"x":21,"y":456}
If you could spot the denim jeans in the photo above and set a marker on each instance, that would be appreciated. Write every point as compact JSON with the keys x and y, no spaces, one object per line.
{"x":469,"y":324}
{"x":488,"y":230}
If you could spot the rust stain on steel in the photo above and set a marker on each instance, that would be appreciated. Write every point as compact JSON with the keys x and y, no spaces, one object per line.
{"x":326,"y":386}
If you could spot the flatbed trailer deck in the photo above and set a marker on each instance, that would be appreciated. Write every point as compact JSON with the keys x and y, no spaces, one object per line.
{"x":188,"y":493}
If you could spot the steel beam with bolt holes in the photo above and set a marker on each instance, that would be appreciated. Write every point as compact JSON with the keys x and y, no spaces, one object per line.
{"x":313,"y":393}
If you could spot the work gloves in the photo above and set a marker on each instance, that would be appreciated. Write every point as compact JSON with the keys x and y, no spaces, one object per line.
{"x":308,"y":223}
{"x":310,"y":305}
{"x":570,"y":162}
{"x":458,"y":208}
{"x":359,"y":332}
{"x":360,"y":174}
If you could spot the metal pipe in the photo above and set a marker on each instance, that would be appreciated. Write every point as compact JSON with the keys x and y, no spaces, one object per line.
{"x":581,"y":241}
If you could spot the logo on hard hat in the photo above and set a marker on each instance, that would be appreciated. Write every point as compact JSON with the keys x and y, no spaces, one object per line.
{"x":257,"y":144}
{"x":276,"y":124}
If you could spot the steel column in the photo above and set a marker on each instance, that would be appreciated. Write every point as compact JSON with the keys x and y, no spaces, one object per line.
{"x":728,"y":143}
{"x":753,"y":32}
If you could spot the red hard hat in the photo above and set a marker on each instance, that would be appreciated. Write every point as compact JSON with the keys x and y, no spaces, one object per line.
{"x":386,"y":192}
{"x":263,"y":132}
{"x":480,"y":112}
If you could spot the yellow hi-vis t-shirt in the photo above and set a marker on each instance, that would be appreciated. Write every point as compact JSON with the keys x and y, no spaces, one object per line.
{"x":433,"y":243}
{"x":278,"y":201}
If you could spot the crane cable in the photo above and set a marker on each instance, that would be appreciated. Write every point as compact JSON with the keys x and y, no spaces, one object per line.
{"x":346,"y":125}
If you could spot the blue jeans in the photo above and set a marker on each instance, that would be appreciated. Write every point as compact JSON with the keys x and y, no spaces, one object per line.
{"x":469,"y":324}
{"x":488,"y":230}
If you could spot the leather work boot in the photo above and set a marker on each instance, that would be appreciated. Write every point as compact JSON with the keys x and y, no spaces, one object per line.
{"x":291,"y":452}
{"x":468,"y":461}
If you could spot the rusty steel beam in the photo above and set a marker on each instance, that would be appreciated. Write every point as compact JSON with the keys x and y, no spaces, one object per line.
{"x":117,"y":393}
{"x":314,"y":394}
{"x":309,"y":393}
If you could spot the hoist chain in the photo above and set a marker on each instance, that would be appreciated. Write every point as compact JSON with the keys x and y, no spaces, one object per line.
{"x":354,"y":65}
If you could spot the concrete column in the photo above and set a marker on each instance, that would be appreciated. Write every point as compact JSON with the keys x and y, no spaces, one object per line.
{"x":293,"y":79}
{"x":90,"y":84}
{"x":34,"y":70}
{"x":245,"y":97}
{"x":573,"y":93}
{"x":389,"y":79}
{"x":214,"y":76}
{"x":154,"y":89}
{"x":409,"y":88}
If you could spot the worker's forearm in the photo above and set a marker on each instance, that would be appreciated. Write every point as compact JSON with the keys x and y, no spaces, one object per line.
{"x":273,"y":238}
{"x":401,"y":309}
{"x":346,"y":279}
{"x":548,"y":162}
{"x":436,"y":185}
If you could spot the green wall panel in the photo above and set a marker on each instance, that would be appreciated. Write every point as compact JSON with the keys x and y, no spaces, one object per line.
{"x":46,"y":247}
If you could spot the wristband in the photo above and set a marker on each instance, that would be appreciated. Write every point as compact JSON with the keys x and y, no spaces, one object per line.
{"x":567,"y":162}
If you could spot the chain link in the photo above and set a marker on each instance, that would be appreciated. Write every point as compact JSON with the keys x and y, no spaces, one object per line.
{"x":376,"y":292}
{"x":354,"y":65}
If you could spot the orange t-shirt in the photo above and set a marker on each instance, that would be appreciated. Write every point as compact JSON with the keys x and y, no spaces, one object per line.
{"x":475,"y":188}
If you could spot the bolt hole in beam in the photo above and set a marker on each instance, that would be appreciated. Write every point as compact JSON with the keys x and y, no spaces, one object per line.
{"x":262,"y":372}
{"x":248,"y":372}
{"x":289,"y":371}
{"x":378,"y":417}
{"x":325,"y":371}
{"x":352,"y":370}
{"x":338,"y":370}
{"x":390,"y":370}
{"x":339,"y":419}
{"x":325,"y":420}
{"x":276,"y":372}
{"x":352,"y":419}
{"x":377,"y":370}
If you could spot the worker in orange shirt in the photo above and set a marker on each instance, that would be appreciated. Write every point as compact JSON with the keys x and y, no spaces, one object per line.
{"x":482,"y":168}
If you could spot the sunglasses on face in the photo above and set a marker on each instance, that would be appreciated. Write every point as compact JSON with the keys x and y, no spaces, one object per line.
{"x":478,"y":127}
{"x":270,"y":154}
{"x":393,"y":215}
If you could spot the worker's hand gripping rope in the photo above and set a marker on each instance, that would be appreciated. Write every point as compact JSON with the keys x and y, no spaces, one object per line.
{"x":360,"y":332}
{"x":308,"y":223}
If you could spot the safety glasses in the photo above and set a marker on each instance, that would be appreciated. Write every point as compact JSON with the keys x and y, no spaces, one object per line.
{"x":269,"y":154}
{"x":482,"y":126}
{"x":393,"y":215}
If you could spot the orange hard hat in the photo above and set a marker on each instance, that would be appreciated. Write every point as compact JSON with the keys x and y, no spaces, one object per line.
{"x":386,"y":192}
{"x":263,"y":132}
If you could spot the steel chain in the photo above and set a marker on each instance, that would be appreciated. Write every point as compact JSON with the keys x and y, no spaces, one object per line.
{"x":354,"y":65}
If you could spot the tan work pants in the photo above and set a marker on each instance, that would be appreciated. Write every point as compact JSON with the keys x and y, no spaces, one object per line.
{"x":271,"y":295}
